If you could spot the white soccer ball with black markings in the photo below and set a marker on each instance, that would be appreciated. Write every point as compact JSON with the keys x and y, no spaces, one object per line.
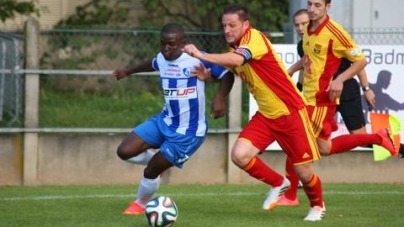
{"x":161,"y":212}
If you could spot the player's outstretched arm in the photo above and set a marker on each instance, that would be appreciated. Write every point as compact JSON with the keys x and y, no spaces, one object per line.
{"x":225,"y":59}
{"x":145,"y":66}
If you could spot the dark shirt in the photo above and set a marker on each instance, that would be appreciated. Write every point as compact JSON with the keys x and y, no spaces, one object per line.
{"x":300,"y":48}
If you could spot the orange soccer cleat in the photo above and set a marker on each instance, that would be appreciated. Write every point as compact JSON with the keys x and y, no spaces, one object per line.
{"x":134,"y":209}
{"x":387,"y":141}
{"x":284,"y":201}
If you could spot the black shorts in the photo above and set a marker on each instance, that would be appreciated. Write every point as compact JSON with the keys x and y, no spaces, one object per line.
{"x":350,"y":106}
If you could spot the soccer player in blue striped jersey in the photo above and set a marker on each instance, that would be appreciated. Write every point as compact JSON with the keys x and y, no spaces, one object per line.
{"x":181,"y":127}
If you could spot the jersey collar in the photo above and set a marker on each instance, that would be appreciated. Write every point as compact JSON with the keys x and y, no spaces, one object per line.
{"x":319,"y":28}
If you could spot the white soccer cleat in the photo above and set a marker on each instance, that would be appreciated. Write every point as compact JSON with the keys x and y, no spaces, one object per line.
{"x":273,"y":195}
{"x":316,"y":213}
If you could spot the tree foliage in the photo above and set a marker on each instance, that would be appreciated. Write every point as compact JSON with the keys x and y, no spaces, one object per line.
{"x":193,"y":14}
{"x":10,"y":8}
{"x":99,"y":13}
{"x":265,"y":15}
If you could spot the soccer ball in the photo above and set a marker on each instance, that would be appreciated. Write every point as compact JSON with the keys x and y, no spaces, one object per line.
{"x":161,"y":212}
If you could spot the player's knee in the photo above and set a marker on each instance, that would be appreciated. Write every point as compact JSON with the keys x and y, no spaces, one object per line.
{"x":150,"y":173}
{"x":305,"y":178}
{"x":123,"y":153}
{"x":304,"y":172}
{"x":238,"y":159}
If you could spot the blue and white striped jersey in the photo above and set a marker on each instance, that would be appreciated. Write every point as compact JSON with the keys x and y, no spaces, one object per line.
{"x":184,"y":94}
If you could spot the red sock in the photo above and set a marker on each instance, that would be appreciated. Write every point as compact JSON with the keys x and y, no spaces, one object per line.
{"x":314,"y":191}
{"x":259,"y":170}
{"x":346,"y":143}
{"x":291,"y":193}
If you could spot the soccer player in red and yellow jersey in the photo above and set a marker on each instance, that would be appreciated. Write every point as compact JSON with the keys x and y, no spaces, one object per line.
{"x":281,"y":115}
{"x":325,"y":45}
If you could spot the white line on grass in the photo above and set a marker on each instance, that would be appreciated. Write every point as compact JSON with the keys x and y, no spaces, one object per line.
{"x":68,"y":197}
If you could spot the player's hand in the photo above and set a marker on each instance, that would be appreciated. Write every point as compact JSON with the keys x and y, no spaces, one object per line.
{"x":202,"y":73}
{"x":191,"y":50}
{"x":119,"y":74}
{"x":218,"y":107}
{"x":335,"y":89}
{"x":370,"y":98}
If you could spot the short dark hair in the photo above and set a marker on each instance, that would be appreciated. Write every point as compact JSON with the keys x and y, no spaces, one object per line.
{"x":236,"y":8}
{"x":300,"y":12}
{"x":327,"y":1}
{"x":175,"y":28}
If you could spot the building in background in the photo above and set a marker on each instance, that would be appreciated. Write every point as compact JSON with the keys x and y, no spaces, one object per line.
{"x":363,"y":16}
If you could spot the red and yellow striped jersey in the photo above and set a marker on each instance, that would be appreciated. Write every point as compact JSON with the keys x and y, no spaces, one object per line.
{"x":265,"y":75}
{"x":324,"y":49}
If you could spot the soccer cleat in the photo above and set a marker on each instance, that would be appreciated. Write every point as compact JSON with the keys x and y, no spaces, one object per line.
{"x":274,"y":194}
{"x":316,"y":213}
{"x":134,"y":209}
{"x":387,"y":141}
{"x":283,"y":201}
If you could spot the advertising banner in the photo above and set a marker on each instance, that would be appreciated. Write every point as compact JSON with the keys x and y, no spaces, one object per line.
{"x":385,"y":71}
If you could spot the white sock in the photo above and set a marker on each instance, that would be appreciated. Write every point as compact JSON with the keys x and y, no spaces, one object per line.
{"x":142,"y":159}
{"x":147,"y":188}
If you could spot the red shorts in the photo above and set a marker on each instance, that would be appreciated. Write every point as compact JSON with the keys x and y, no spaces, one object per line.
{"x":323,"y":120}
{"x":293,"y":134}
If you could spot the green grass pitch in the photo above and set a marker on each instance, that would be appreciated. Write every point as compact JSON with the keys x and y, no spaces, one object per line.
{"x":348,"y":205}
